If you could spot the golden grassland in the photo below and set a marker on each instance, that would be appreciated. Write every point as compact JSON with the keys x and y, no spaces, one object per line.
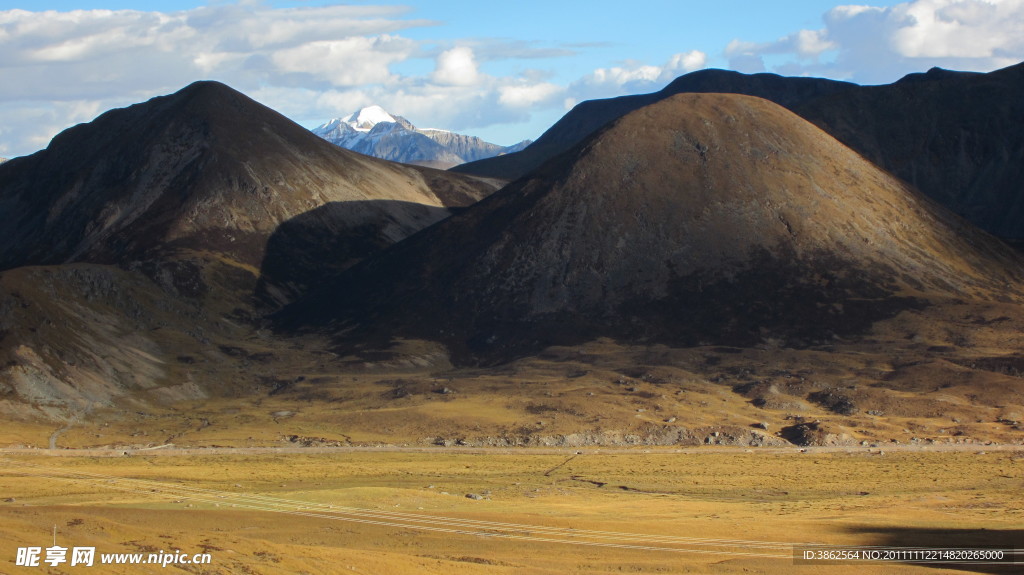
{"x":912,"y":465}
{"x":843,"y":497}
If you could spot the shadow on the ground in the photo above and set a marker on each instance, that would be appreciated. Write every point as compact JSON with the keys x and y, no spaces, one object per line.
{"x":1006,"y":539}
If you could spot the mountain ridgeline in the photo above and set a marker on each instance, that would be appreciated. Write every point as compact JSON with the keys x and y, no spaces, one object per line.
{"x":170,"y":176}
{"x":700,"y":219}
{"x":953,"y":135}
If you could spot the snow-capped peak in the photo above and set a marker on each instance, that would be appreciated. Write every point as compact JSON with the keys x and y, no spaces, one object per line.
{"x":364,"y":120}
{"x":375,"y":132}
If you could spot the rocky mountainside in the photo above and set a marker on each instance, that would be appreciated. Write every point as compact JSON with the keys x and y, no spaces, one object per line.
{"x":700,"y":219}
{"x":140,"y":250}
{"x":375,"y":132}
{"x":952,"y":135}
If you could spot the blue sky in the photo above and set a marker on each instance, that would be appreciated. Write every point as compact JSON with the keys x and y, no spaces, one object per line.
{"x":501,"y":70}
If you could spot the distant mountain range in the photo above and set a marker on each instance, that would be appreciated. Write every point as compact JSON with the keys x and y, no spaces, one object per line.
{"x":954,"y":135}
{"x":375,"y":132}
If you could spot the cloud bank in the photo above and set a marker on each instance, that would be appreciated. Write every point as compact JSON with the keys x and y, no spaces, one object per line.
{"x":871,"y":44}
{"x":314,"y":63}
{"x":310,"y":63}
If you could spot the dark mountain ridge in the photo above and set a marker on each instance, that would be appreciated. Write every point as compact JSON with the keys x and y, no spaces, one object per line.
{"x":205,"y":168}
{"x":953,"y":135}
{"x":589,"y":116}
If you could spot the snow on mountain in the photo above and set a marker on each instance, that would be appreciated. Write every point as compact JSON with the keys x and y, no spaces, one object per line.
{"x":364,"y":120}
{"x":375,"y":132}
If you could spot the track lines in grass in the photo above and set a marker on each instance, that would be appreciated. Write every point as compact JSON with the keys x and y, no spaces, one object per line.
{"x":418,"y":521}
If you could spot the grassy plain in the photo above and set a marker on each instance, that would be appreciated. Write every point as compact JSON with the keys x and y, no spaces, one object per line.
{"x":925,"y":449}
{"x":268,"y":512}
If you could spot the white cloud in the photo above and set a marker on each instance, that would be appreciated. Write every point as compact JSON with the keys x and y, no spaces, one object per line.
{"x":634,"y":77}
{"x":811,"y":43}
{"x":851,"y":10}
{"x":456,"y":67}
{"x":686,"y":62}
{"x":87,"y":53}
{"x":30,"y":125}
{"x":350,"y":61}
{"x":310,"y":63}
{"x":525,"y":95}
{"x":314,"y":63}
{"x":957,"y":29}
{"x":626,"y":75}
{"x":882,"y":44}
{"x":804,"y":43}
{"x":877,"y":44}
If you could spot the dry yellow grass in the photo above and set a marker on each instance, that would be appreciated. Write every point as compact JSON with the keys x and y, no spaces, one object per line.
{"x":841,"y":498}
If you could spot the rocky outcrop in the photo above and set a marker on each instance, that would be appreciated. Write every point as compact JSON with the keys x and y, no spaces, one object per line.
{"x":663,"y":436}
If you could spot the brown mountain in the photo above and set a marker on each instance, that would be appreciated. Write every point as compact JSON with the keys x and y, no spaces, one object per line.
{"x":589,"y":116}
{"x":702,"y":218}
{"x":207,"y":170}
{"x":952,"y":134}
{"x":133,"y":246}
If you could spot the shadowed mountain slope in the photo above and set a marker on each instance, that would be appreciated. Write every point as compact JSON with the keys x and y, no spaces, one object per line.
{"x":205,"y":168}
{"x":699,"y":219}
{"x":952,"y":134}
{"x":132,"y":247}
